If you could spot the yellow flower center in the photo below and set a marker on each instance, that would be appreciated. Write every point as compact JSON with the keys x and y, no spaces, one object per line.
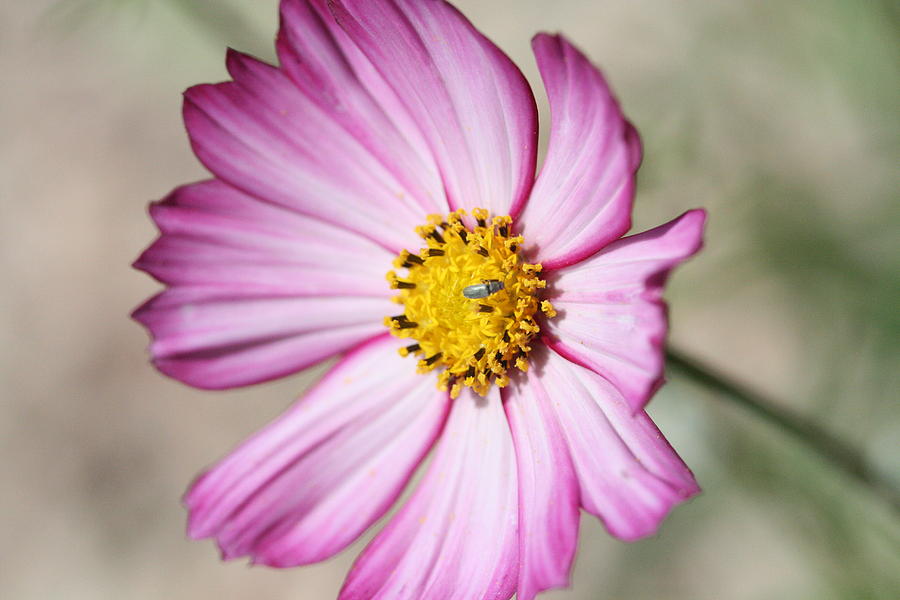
{"x":469,"y":302}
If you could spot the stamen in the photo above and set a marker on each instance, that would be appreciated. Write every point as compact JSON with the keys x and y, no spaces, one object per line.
{"x":471,"y":343}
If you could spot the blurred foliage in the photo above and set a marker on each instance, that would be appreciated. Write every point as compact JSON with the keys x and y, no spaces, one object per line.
{"x":854,"y":537}
{"x":825,"y":234}
{"x":832,"y":249}
{"x":223,"y":22}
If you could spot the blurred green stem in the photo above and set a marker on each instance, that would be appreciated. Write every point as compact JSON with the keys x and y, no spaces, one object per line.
{"x":834,"y":450}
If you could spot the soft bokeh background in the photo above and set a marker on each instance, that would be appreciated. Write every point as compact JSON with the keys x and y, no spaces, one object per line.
{"x":779,"y":117}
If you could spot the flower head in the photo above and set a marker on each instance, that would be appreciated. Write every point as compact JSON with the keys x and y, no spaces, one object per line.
{"x":516,"y":331}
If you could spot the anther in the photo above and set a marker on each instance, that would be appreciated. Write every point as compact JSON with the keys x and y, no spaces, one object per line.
{"x":435,"y":252}
{"x":484,"y":308}
{"x":413,"y":258}
{"x":481,"y":222}
{"x":407,"y":325}
{"x":413,"y":348}
{"x":433,"y":359}
{"x":504,"y":230}
{"x":436,"y":236}
{"x":403,"y":285}
{"x":482,"y":251}
{"x":479,"y":354}
{"x":463,"y":236}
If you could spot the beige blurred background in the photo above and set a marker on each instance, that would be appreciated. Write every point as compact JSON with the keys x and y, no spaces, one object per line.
{"x":779,"y":117}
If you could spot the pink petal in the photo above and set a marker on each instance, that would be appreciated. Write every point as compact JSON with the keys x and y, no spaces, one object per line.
{"x":582,"y":198}
{"x":310,"y":483}
{"x":612,"y":318}
{"x":629,"y":475}
{"x":548,"y":491}
{"x":312,"y":68}
{"x":259,"y":291}
{"x":455,"y":539}
{"x":316,"y":54}
{"x":262,"y":135}
{"x":368,"y":76}
{"x":471,"y":103}
{"x":213,"y":234}
{"x":216,"y":337}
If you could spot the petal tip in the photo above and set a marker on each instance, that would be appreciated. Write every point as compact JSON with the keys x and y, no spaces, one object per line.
{"x":545,"y":37}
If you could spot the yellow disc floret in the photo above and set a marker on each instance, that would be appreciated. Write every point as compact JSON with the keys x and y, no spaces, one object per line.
{"x":469,"y":302}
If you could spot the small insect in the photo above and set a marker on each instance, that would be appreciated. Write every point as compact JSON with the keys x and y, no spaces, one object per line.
{"x":483,"y":289}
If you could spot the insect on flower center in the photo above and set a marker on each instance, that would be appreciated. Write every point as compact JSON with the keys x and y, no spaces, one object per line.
{"x":469,"y":302}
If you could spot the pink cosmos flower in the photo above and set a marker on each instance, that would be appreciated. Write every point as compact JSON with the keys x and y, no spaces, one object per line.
{"x":394,"y":132}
